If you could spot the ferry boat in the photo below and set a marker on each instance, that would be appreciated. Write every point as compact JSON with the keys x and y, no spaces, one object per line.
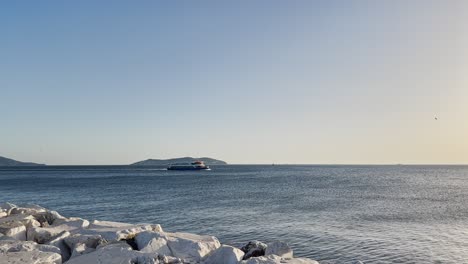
{"x":197,"y":165}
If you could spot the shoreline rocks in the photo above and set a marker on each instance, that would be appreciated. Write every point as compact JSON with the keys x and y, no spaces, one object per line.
{"x":33,"y":234}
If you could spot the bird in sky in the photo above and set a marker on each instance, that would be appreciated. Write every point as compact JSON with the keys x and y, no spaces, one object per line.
{"x":436,"y":118}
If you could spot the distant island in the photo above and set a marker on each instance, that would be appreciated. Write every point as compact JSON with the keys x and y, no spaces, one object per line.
{"x":165,"y":162}
{"x":4,"y":162}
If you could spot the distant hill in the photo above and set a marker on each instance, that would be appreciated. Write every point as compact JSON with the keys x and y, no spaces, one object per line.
{"x":165,"y":162}
{"x":10,"y":162}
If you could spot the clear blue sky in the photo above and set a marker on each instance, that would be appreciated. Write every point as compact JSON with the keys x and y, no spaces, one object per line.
{"x":114,"y":82}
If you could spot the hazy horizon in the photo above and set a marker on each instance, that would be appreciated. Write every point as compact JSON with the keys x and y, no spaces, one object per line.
{"x":249,"y":82}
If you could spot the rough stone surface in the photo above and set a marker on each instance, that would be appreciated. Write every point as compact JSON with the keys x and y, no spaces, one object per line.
{"x":254,"y":249}
{"x":59,"y":242}
{"x":115,"y":253}
{"x":97,"y":224}
{"x":114,"y":231}
{"x":56,"y":239}
{"x":73,"y":222}
{"x":152,"y":242}
{"x":27,"y":210}
{"x":89,"y":240}
{"x":191,"y":247}
{"x":13,"y":229}
{"x":79,"y":244}
{"x":3,"y":214}
{"x":30,"y":257}
{"x":225,"y":255}
{"x":280,"y":249}
{"x":81,"y":249}
{"x":28,"y":252}
{"x":48,"y":218}
{"x":43,"y":235}
{"x":157,"y":228}
{"x":26,"y":220}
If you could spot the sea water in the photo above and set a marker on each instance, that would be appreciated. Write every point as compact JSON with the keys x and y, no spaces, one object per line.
{"x":334,"y":214}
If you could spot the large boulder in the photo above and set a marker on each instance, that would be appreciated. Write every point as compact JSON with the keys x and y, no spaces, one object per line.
{"x":35,"y":256}
{"x":225,"y":255}
{"x":191,"y":247}
{"x":14,"y":229}
{"x":280,"y":249}
{"x":27,"y":210}
{"x":152,"y":242}
{"x":43,"y":235}
{"x":81,"y":249}
{"x":27,"y":220}
{"x":89,"y":240}
{"x":254,"y":249}
{"x":72,"y":222}
{"x":79,"y":244}
{"x":15,"y":225}
{"x":59,"y":242}
{"x":114,"y":231}
{"x":48,"y":217}
{"x":115,"y":253}
{"x":60,"y":224}
{"x":16,"y":252}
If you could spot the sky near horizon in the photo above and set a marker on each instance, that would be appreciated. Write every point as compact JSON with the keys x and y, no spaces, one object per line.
{"x":115,"y":82}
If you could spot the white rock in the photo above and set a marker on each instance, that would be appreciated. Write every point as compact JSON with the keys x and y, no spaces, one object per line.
{"x":191,"y":247}
{"x":3,"y":214}
{"x":113,"y":231}
{"x":225,"y":255}
{"x":48,"y":248}
{"x":59,"y":242}
{"x":79,"y":244}
{"x":14,"y":229}
{"x":97,"y":224}
{"x":26,"y":257}
{"x":27,"y":210}
{"x":72,"y":222}
{"x":152,"y":242}
{"x":43,"y":235}
{"x":15,"y":226}
{"x":114,"y":244}
{"x":116,"y":253}
{"x":15,"y":245}
{"x":157,"y":228}
{"x":280,"y":249}
{"x":81,"y":249}
{"x":48,"y":217}
{"x":26,"y":220}
{"x":89,"y":240}
{"x":28,"y":252}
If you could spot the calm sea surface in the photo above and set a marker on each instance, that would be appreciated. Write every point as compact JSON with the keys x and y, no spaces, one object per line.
{"x":334,"y":214}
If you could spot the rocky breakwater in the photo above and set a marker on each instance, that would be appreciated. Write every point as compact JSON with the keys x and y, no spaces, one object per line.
{"x":33,"y":234}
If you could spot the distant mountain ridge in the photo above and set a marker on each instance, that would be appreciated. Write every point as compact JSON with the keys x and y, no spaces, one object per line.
{"x":165,"y":162}
{"x":4,"y":162}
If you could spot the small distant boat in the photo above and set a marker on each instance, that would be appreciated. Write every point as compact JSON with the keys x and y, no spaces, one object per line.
{"x":197,"y":165}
